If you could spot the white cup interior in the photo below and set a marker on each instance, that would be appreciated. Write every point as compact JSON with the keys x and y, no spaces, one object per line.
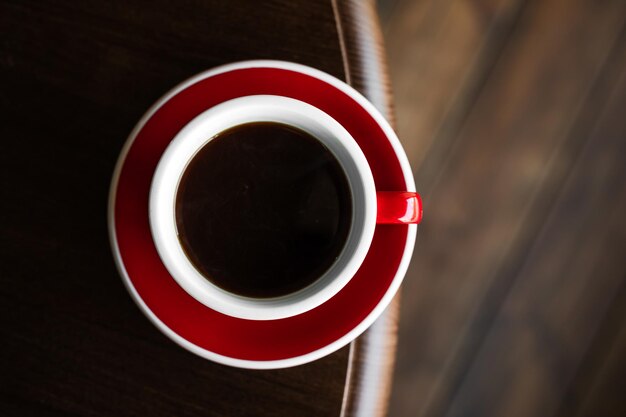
{"x":262,"y":108}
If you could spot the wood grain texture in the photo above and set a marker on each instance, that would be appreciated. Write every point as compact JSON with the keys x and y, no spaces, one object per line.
{"x":514,"y":278}
{"x":440,"y":54}
{"x":568,"y":281}
{"x":596,"y":389}
{"x":76,"y":76}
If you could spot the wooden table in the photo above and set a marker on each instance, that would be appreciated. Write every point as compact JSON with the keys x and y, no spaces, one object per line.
{"x":76,"y":77}
{"x":512,"y":115}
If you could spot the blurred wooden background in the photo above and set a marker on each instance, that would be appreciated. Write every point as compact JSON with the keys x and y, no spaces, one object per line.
{"x":513,"y":116}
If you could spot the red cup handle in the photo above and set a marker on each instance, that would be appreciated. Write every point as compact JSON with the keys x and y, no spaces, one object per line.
{"x":398,"y":207}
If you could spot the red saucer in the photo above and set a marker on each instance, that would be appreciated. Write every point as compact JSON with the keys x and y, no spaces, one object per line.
{"x":229,"y":340}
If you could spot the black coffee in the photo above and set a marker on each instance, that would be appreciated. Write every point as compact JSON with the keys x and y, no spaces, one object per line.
{"x":263,"y":209}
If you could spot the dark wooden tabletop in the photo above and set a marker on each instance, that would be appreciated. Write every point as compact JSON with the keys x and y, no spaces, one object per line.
{"x":75,"y":78}
{"x":512,"y":113}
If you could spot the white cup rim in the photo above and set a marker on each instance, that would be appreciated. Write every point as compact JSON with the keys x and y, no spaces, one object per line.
{"x":201,"y":130}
